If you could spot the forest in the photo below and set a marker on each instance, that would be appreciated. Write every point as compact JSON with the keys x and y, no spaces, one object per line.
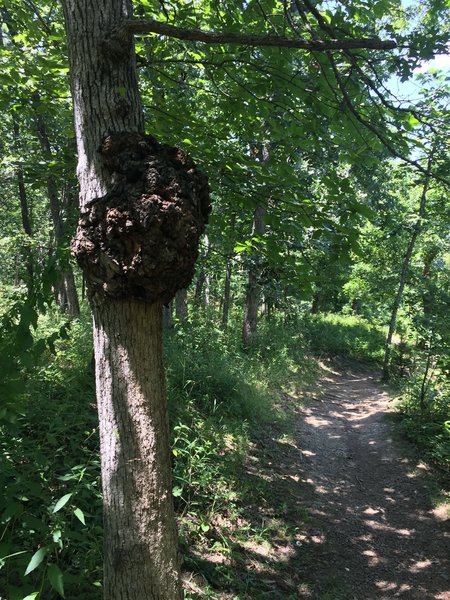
{"x":224,"y":299}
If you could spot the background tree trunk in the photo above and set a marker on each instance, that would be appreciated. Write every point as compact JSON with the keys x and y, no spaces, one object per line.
{"x":252,"y":294}
{"x":226,"y":294}
{"x":24,"y":212}
{"x":417,"y":228}
{"x":140,"y":551}
{"x":66,"y":292}
{"x":181,"y":305}
{"x":168,"y":316}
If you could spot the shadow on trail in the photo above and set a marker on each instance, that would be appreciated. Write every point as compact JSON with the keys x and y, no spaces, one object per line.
{"x":343,"y":510}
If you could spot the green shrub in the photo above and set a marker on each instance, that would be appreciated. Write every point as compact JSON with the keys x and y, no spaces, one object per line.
{"x":343,"y":335}
{"x":425,"y":414}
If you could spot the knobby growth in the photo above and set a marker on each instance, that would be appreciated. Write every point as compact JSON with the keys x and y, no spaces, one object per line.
{"x":140,"y":240}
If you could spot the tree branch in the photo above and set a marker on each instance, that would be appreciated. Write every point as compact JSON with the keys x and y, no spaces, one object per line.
{"x":147,"y":26}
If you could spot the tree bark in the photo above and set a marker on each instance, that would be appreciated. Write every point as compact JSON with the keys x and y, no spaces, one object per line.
{"x":201,"y":295}
{"x":252,"y":295}
{"x":140,"y":550}
{"x":140,"y":542}
{"x":168,"y":316}
{"x":66,"y":292}
{"x":181,"y":305}
{"x":226,"y":294}
{"x":315,"y":306}
{"x":24,"y":211}
{"x":146,"y":26}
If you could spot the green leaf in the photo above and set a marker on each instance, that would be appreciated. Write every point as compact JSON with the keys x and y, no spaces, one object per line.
{"x":80,"y":515}
{"x":176,"y":492}
{"x":62,"y":502}
{"x":56,"y":579}
{"x":36,"y":560}
{"x":32,"y":596}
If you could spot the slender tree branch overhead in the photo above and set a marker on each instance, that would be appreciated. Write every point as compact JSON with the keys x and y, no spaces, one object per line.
{"x":147,"y":26}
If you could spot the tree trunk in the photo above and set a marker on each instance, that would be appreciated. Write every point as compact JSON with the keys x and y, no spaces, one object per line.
{"x":181,"y":305}
{"x":201,"y":295}
{"x":140,"y":561}
{"x":199,"y":284}
{"x":252,"y":295}
{"x":404,"y":274}
{"x":315,"y":306}
{"x":24,"y":211}
{"x":168,"y":316}
{"x":140,"y":550}
{"x":66,"y":292}
{"x":226,"y":294}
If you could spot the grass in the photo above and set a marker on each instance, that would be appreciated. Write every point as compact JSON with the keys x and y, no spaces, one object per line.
{"x":224,"y":402}
{"x":50,"y":505}
{"x":343,"y":335}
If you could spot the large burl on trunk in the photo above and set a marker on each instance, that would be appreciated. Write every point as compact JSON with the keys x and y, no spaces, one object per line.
{"x":141,"y":239}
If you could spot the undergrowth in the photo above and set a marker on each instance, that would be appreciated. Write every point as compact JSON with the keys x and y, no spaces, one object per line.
{"x":50,"y":505}
{"x":344,"y":335}
{"x":425,"y":415}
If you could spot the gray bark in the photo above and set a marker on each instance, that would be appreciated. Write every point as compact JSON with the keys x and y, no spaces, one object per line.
{"x":66,"y":292}
{"x":140,"y":550}
{"x":140,"y":559}
{"x":181,"y":305}
{"x":253,"y":292}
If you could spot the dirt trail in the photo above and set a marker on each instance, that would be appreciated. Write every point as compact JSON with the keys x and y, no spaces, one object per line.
{"x":370,"y":531}
{"x":340,"y":508}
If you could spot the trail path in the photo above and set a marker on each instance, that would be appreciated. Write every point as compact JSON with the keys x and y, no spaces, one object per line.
{"x":354,"y":502}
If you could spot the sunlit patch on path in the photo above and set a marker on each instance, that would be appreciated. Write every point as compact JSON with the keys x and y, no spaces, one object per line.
{"x":367,"y":498}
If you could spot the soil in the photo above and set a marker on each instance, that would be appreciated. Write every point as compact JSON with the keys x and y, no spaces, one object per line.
{"x":345,"y":503}
{"x":369,"y":497}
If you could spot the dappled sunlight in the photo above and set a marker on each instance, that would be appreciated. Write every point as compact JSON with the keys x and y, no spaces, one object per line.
{"x":373,"y":559}
{"x":386,"y":528}
{"x":307,"y":453}
{"x":317,"y":422}
{"x":336,"y":505}
{"x":420,"y":565}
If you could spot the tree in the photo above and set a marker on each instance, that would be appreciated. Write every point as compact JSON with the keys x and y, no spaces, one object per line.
{"x":143,"y":206}
{"x":417,"y":227}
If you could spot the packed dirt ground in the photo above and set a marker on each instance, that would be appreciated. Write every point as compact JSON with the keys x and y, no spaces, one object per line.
{"x":368,"y":497}
{"x":345,"y":506}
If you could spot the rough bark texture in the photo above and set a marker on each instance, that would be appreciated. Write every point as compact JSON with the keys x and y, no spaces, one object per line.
{"x":252,"y":296}
{"x":140,"y":535}
{"x":141,"y":239}
{"x":130,"y":198}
